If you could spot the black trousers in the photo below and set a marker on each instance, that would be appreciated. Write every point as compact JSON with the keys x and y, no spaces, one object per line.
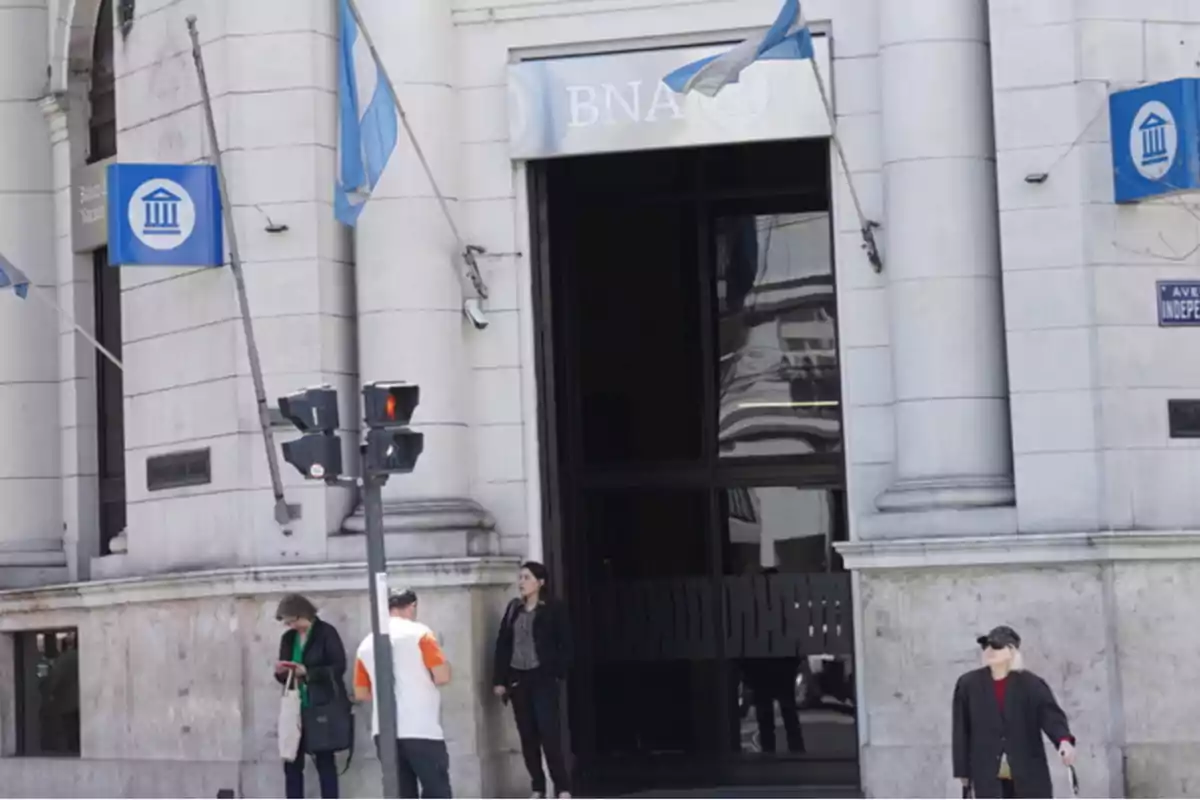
{"x":424,"y":767}
{"x":327,"y":774}
{"x":534,"y":697}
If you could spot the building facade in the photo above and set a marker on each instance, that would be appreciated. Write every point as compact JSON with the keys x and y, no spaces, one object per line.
{"x":737,"y":443}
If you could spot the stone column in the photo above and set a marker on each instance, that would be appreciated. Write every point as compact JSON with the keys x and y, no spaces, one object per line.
{"x":410,"y":323}
{"x":31,"y":539}
{"x":953,"y":448}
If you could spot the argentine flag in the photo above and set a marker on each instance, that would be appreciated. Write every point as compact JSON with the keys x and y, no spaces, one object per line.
{"x":368,"y":126}
{"x":11,"y":277}
{"x":788,"y":39}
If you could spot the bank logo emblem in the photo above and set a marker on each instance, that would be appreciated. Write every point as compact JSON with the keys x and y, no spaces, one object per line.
{"x":1153,"y":140}
{"x":162,"y":214}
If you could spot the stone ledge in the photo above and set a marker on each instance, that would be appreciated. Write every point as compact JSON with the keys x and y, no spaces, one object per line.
{"x":947,"y":522}
{"x":304,"y":578}
{"x":1040,"y":549}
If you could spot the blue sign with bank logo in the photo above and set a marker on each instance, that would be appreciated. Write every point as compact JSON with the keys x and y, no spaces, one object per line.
{"x":1155,"y":139}
{"x":1178,"y":303}
{"x":164,"y":215}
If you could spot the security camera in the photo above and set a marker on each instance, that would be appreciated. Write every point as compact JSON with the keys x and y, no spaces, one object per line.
{"x":473,"y":310}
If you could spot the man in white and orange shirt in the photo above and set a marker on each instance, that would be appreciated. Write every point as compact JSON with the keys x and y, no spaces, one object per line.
{"x":420,"y":667}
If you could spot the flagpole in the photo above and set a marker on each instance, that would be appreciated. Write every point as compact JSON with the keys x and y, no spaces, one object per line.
{"x":467,"y":251}
{"x":62,"y":312}
{"x":866,"y":226}
{"x":282,"y":514}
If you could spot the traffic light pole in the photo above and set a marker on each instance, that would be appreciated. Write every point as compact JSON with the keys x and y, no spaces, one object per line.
{"x":384,"y":689}
{"x":390,"y":448}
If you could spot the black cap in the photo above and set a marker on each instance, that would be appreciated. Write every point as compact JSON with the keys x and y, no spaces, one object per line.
{"x":402,"y":598}
{"x":1000,"y":636}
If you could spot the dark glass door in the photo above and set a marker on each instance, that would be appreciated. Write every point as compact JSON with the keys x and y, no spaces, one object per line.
{"x":693,"y":465}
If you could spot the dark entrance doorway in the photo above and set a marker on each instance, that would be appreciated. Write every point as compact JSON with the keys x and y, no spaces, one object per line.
{"x":693,"y":468}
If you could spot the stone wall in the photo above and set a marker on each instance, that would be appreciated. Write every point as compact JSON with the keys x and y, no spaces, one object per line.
{"x":177,"y":693}
{"x":1112,"y":640}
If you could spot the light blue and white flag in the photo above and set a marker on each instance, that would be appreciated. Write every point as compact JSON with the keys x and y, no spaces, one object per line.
{"x":11,"y":277}
{"x":368,"y":126}
{"x":788,"y":39}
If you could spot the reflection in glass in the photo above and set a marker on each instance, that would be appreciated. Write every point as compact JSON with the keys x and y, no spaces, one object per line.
{"x":779,"y":389}
{"x":788,"y":622}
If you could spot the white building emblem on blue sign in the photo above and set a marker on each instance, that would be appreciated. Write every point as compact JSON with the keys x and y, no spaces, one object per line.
{"x":1155,"y":133}
{"x":162,"y":214}
{"x":1153,"y":140}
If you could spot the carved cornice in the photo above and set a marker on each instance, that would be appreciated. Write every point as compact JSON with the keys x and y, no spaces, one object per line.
{"x":250,"y":582}
{"x":1046,"y":549}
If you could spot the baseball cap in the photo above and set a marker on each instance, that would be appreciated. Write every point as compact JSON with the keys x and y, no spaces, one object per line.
{"x":999,"y":637}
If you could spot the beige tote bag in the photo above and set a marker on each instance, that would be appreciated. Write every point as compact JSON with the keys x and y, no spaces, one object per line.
{"x":289,"y":719}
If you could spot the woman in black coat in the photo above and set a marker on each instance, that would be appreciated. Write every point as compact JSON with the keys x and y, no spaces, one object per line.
{"x":312,"y":650}
{"x":1001,"y":712}
{"x":533,"y":652}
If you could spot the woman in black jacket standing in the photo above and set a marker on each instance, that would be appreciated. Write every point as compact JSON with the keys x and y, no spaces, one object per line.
{"x":1001,"y":712}
{"x":533,"y":652}
{"x":311,"y":649}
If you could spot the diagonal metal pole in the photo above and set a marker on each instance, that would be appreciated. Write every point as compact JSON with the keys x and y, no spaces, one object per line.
{"x":866,"y":226}
{"x":282,"y":514}
{"x":36,"y":292}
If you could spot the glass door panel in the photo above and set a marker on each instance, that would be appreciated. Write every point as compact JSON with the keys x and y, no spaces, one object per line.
{"x":777,"y":371}
{"x":788,"y":636}
{"x":653,"y":615}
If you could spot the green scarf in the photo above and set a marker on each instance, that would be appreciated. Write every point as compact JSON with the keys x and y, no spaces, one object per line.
{"x":298,"y":657}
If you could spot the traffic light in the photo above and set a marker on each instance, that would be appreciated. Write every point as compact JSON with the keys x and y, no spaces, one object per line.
{"x":318,"y":453}
{"x":387,"y":409}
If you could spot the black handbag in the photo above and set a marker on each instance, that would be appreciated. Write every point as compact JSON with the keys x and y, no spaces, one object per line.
{"x":328,"y":728}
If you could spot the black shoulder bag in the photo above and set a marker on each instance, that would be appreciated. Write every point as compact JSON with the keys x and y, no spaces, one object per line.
{"x":329,"y":727}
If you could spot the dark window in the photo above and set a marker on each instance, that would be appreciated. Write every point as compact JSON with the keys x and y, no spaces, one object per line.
{"x":110,"y":401}
{"x":102,"y":124}
{"x":47,"y":671}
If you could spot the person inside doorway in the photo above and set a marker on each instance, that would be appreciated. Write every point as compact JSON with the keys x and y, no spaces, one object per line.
{"x":533,"y":652}
{"x":1000,"y":713}
{"x":772,"y":680}
{"x":63,"y":696}
{"x":420,"y":668}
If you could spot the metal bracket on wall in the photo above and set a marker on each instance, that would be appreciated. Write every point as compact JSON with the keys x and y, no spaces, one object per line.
{"x":469,"y":257}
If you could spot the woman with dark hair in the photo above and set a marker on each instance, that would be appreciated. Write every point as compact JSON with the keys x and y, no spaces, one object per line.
{"x":533,"y":653}
{"x":312,"y":650}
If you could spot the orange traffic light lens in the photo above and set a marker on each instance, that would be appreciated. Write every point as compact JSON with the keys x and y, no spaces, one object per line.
{"x":389,"y":407}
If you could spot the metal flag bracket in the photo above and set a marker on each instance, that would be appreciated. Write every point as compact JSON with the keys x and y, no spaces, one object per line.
{"x":469,"y":254}
{"x":871,"y":246}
